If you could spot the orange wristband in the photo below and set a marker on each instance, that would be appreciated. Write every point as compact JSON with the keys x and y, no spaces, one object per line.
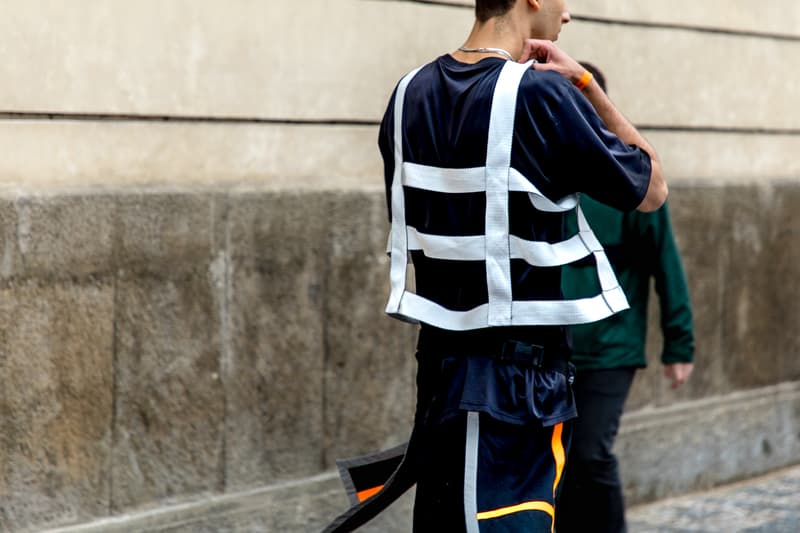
{"x":585,"y":79}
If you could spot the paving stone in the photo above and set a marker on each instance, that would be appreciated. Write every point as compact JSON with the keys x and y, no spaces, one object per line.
{"x":769,"y":504}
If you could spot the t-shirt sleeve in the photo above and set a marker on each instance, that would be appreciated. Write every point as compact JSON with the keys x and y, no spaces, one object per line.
{"x":386,"y":147}
{"x":580,"y":153}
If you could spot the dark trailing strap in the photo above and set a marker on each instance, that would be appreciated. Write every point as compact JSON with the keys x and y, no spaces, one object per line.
{"x":400,"y":481}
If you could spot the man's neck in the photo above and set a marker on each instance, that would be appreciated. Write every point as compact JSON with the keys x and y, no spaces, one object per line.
{"x":497,"y":32}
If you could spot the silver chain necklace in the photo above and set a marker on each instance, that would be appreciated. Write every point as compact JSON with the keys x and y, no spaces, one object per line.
{"x":500,"y":51}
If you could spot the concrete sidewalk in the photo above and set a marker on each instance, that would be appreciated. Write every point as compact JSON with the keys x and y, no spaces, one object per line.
{"x":768,"y":504}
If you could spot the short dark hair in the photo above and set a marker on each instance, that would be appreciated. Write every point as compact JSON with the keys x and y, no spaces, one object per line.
{"x":486,"y":9}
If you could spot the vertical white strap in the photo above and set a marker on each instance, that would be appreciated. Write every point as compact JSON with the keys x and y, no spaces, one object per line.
{"x":612,"y":294}
{"x":399,"y":238}
{"x":498,"y":166}
{"x":471,"y":473}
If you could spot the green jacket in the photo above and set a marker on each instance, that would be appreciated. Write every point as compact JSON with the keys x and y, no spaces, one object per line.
{"x":639,"y":246}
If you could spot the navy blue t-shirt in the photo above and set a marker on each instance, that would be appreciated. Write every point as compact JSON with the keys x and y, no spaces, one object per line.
{"x":560,"y":145}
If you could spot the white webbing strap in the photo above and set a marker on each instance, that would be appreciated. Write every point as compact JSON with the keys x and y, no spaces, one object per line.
{"x":524,"y":313}
{"x":498,"y":166}
{"x":473,"y":248}
{"x":399,"y":239}
{"x":471,"y":447}
{"x":611,"y":291}
{"x":460,"y":180}
{"x":497,"y":247}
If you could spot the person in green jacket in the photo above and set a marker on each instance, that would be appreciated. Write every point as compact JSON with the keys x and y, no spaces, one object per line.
{"x":640,"y":246}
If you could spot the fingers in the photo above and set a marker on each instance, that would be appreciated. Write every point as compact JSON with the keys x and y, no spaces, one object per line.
{"x":537,"y":49}
{"x":678,"y":373}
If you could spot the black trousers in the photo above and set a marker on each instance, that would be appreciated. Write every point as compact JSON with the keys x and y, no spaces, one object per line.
{"x":591,"y":499}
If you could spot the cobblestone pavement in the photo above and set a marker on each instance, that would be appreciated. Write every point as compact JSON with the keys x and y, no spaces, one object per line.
{"x":769,"y":504}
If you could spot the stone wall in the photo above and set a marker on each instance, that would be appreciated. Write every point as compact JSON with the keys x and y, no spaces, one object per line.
{"x":163,"y":345}
{"x":174,"y":360}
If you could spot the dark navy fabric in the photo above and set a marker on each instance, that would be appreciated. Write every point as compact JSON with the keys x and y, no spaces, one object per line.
{"x":516,"y":465}
{"x":592,"y":496}
{"x":560,"y":144}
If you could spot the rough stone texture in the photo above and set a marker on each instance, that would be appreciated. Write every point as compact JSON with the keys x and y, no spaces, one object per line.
{"x":370,"y":368}
{"x":700,"y":228}
{"x":166,"y":234}
{"x":754,"y":291}
{"x":170,"y":404}
{"x":10,"y":257}
{"x":65,"y":236}
{"x":761,"y":297}
{"x":56,"y":395}
{"x":704,"y":443}
{"x":234,"y":340}
{"x":785,"y":234}
{"x":169,"y":416}
{"x":273,"y":373}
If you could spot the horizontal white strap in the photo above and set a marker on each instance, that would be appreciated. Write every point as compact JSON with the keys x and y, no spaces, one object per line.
{"x":415,"y":308}
{"x":473,"y":179}
{"x":569,"y":312}
{"x":545,"y":254}
{"x":518,"y":182}
{"x":453,"y":248}
{"x":472,"y":248}
{"x":423,"y":310}
{"x":450,"y":180}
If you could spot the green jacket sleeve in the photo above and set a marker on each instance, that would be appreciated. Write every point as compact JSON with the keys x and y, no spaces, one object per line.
{"x":671,"y":287}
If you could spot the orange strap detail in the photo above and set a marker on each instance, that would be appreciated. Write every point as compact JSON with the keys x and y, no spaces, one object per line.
{"x":368,"y":493}
{"x":585,"y":79}
{"x":545,"y":507}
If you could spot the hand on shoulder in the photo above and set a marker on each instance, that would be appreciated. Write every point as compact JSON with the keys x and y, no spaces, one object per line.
{"x":548,"y":56}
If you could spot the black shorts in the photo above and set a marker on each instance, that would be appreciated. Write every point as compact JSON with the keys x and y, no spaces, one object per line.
{"x":481,"y":475}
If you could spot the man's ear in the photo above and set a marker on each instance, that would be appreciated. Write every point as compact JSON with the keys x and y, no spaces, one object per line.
{"x":536,"y":5}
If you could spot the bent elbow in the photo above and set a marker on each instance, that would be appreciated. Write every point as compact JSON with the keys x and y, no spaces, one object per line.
{"x":655,"y":197}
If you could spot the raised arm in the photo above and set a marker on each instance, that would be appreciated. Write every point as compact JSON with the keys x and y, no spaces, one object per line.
{"x":550,"y":57}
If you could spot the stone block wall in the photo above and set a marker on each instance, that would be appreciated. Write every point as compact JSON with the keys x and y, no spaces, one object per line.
{"x":164,"y":346}
{"x":187,"y":360}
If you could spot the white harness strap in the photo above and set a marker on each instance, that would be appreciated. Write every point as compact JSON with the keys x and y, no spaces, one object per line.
{"x":399,"y":239}
{"x":471,"y":448}
{"x":498,"y":165}
{"x":497,"y":247}
{"x":456,"y":180}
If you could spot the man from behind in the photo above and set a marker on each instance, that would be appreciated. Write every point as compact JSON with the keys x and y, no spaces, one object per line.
{"x":485,"y":152}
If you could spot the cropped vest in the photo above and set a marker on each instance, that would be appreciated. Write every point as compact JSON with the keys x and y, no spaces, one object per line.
{"x":496,"y":247}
